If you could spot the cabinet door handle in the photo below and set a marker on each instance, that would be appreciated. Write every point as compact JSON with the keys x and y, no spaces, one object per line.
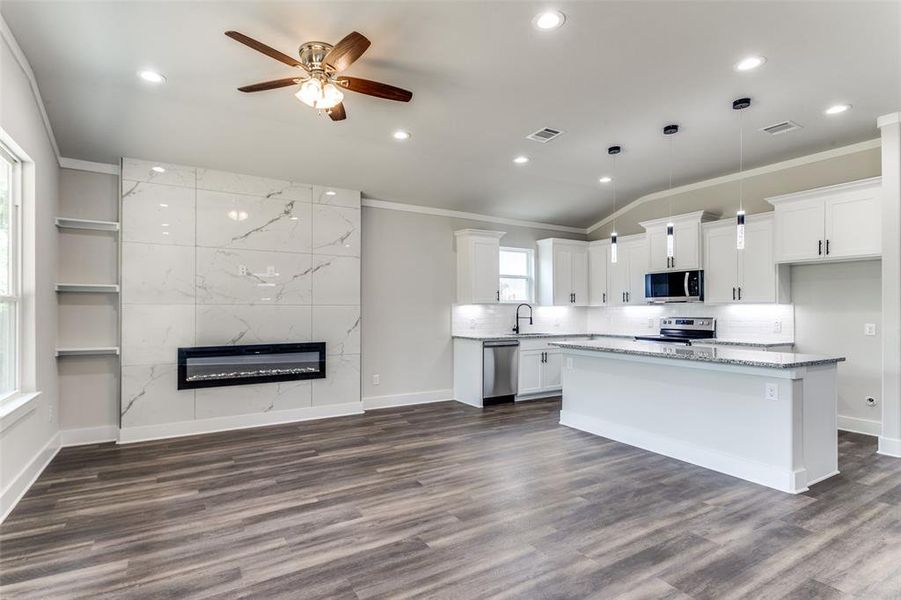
{"x":498,"y":295}
{"x":827,"y":247}
{"x":604,"y":298}
{"x":739,"y":292}
{"x":733,"y":293}
{"x":820,"y":248}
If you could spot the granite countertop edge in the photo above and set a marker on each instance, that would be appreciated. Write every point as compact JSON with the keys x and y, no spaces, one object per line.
{"x":825,"y":360}
{"x":713,"y":341}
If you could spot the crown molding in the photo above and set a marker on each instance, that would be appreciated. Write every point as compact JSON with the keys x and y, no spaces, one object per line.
{"x":771,"y":168}
{"x":8,"y":37}
{"x":86,"y":165}
{"x":889,"y":119}
{"x":456,"y":214}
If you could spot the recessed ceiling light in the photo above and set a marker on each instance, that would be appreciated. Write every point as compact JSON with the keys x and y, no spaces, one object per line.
{"x":151,"y":76}
{"x":837,"y":109}
{"x":164,"y":224}
{"x":548,"y":20}
{"x":749,"y":63}
{"x":330,"y":193}
{"x":158,"y":169}
{"x":605,"y":179}
{"x":521,"y":160}
{"x":400,"y":134}
{"x":163,"y":205}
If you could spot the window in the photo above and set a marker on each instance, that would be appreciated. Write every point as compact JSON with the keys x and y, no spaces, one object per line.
{"x":516,"y":270}
{"x":9,"y":272}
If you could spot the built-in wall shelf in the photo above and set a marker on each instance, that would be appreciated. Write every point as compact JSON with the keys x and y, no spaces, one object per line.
{"x":96,"y":351}
{"x":69,"y":223}
{"x":88,"y":288}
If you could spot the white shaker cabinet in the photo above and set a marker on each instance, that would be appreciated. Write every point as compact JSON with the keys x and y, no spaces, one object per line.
{"x":626,"y":275}
{"x":478,"y":256}
{"x":839,"y":222}
{"x":562,"y":272}
{"x":598,"y":267}
{"x":749,"y":276}
{"x":686,"y":242}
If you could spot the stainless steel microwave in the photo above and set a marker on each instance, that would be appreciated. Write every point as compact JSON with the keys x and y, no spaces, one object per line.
{"x":674,"y":286}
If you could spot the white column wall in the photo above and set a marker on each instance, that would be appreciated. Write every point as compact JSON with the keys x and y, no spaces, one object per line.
{"x":890,"y":440}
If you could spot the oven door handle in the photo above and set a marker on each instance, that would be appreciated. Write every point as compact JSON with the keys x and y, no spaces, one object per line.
{"x":686,"y":285}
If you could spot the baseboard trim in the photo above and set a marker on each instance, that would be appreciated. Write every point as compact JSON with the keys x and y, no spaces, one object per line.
{"x":858,"y":425}
{"x":88,"y":435}
{"x":22,"y":482}
{"x":407,"y":399}
{"x":792,"y":482}
{"x":146,"y":433}
{"x":889,"y":446}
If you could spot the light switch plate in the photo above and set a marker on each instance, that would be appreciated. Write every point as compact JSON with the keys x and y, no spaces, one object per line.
{"x":772,"y":391}
{"x":869,"y":328}
{"x":777,"y":326}
{"x":376,"y":379}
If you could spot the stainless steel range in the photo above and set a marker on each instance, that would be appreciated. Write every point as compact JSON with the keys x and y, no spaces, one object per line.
{"x":682,"y":330}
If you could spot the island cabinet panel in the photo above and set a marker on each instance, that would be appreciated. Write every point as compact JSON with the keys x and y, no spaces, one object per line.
{"x":478,"y":266}
{"x":840,"y":222}
{"x":750,"y":275}
{"x":562,"y":272}
{"x":598,"y":268}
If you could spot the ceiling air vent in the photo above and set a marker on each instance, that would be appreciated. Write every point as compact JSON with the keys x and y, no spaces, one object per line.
{"x":544,"y":135}
{"x":779,"y":128}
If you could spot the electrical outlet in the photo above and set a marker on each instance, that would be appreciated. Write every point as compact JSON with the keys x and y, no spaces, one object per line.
{"x":772,"y":391}
{"x":777,"y":326}
{"x":376,"y":379}
{"x":869,"y":328}
{"x":242,"y":269}
{"x":870,"y":400}
{"x":650,"y":323}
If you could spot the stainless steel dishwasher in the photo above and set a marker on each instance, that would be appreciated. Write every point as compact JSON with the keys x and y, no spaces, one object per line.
{"x":500,"y":371}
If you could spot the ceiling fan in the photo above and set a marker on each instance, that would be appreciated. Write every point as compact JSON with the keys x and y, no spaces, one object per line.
{"x":320,"y":83}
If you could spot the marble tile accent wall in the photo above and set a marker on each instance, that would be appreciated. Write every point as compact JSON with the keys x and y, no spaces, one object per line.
{"x":217,"y":258}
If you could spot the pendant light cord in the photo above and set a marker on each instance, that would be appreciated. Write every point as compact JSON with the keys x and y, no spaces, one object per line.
{"x":613,"y":156}
{"x":671,"y":141}
{"x":741,"y":160}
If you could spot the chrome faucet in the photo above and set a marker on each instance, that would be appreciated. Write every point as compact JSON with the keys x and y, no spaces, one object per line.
{"x":518,"y":318}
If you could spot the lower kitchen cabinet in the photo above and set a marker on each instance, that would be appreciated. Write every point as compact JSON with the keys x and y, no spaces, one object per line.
{"x":540,"y":371}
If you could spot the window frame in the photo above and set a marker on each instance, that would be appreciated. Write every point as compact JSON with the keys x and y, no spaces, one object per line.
{"x":14,"y":296}
{"x":529,"y":278}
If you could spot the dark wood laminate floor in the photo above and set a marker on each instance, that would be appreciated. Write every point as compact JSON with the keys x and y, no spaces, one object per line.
{"x":442,"y":501}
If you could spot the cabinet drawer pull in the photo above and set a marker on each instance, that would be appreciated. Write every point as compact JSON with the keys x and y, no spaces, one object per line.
{"x":827,"y":247}
{"x":820,"y":248}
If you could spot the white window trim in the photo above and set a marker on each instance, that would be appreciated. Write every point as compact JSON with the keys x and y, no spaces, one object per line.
{"x":21,"y":402}
{"x":14,"y":296}
{"x":530,"y":278}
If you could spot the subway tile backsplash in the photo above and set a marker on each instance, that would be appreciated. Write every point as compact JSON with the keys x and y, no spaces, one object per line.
{"x":741,"y":322}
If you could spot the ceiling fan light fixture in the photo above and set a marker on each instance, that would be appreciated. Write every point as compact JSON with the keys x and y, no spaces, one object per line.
{"x":548,"y":20}
{"x":313,"y":93}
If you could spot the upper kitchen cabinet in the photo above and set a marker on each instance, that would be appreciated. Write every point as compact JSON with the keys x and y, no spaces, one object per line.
{"x":748,"y":276}
{"x":839,"y":222}
{"x":626,"y":275}
{"x":478,"y":266}
{"x":598,"y":269}
{"x":562,"y":272}
{"x":686,"y":242}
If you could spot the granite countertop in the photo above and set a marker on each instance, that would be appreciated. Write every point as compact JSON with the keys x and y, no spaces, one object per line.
{"x":708,"y":342}
{"x":513,"y":336}
{"x":711,"y":354}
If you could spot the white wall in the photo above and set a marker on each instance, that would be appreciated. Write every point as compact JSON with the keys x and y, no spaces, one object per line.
{"x":409,"y":288}
{"x":832,"y":304}
{"x":27,"y":443}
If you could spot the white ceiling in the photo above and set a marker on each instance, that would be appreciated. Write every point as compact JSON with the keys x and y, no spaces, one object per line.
{"x":482,"y":79}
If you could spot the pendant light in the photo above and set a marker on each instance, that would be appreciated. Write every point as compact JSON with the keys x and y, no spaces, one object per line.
{"x":613,"y":151}
{"x":670,"y":130}
{"x":740,"y":105}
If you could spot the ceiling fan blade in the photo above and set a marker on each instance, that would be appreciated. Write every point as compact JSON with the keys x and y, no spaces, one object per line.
{"x":374,"y":88}
{"x":337,"y":112}
{"x":269,"y":85}
{"x":268,"y":51}
{"x":346,"y":51}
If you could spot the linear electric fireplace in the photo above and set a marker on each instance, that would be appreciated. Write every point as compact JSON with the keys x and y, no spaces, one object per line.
{"x":214,"y":366}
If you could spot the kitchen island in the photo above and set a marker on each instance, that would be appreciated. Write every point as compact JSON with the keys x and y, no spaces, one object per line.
{"x":767,"y":417}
